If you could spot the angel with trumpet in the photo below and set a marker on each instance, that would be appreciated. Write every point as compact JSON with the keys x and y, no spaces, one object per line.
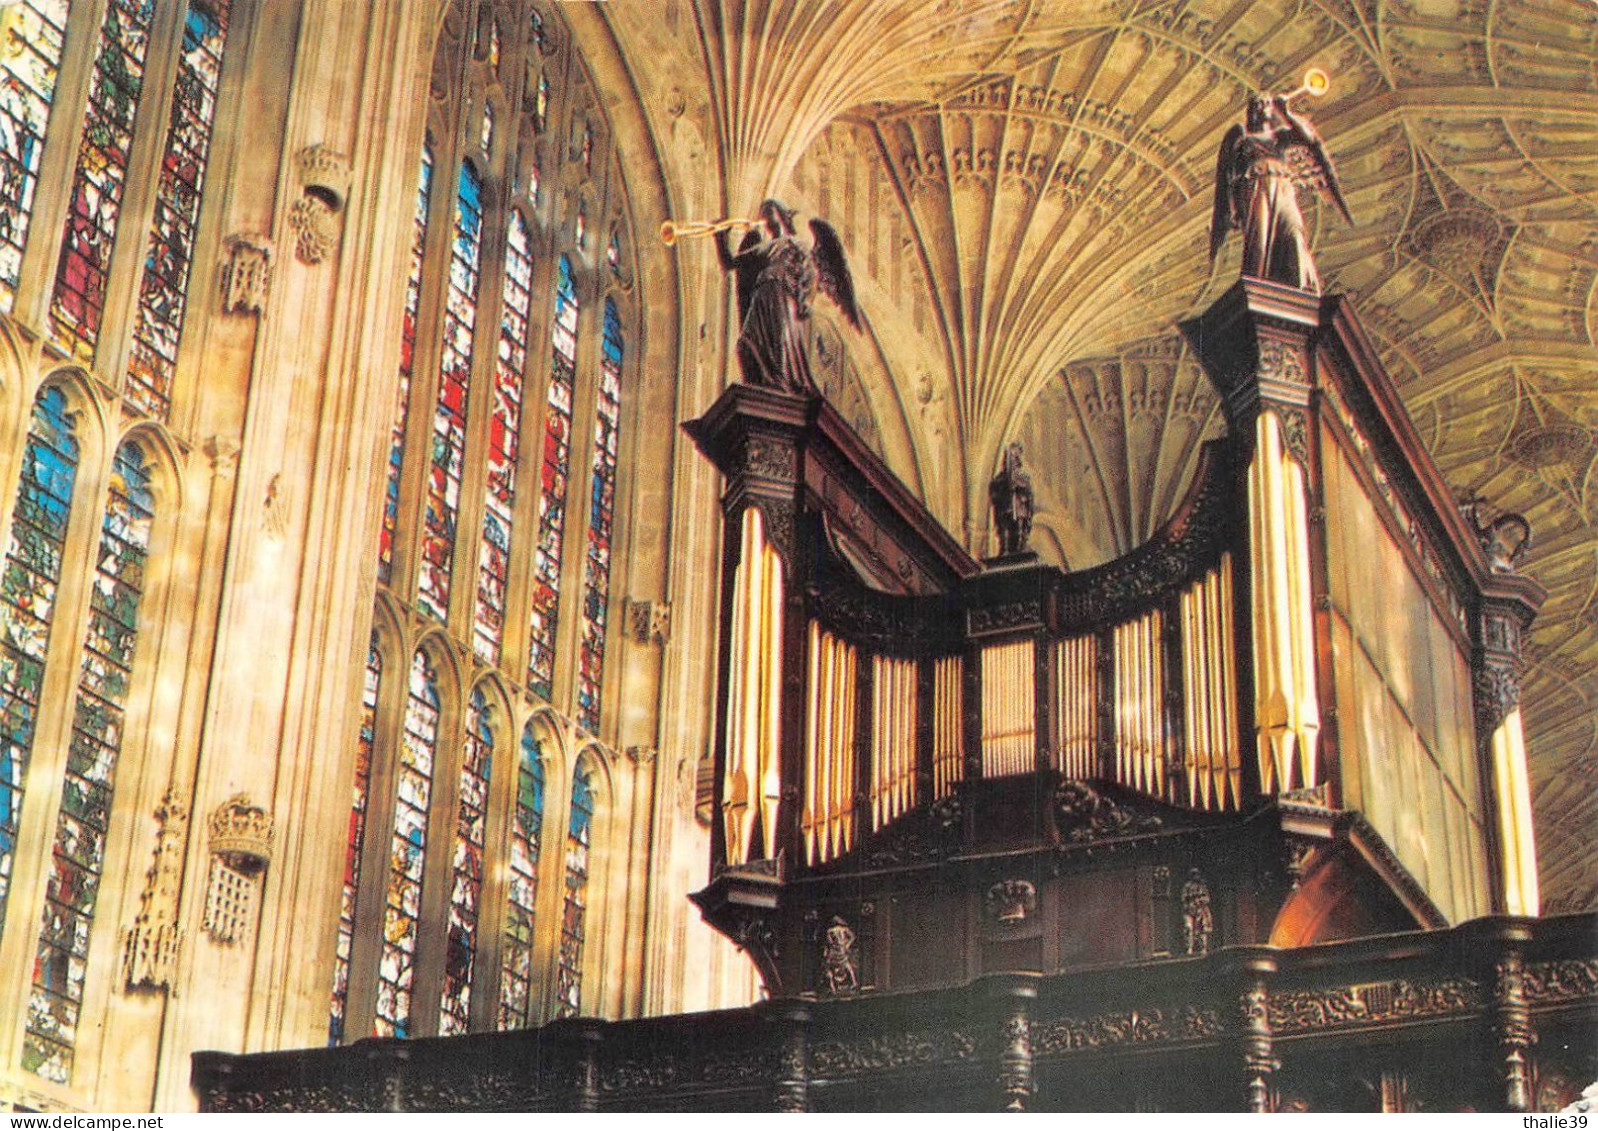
{"x":1262,"y":162}
{"x":777,"y":278}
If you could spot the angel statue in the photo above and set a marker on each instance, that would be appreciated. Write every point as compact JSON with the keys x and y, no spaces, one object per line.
{"x":1262,"y":162}
{"x":777,"y":278}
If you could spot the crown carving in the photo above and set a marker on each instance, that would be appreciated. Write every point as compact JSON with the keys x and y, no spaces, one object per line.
{"x":325,"y":173}
{"x":242,"y":833}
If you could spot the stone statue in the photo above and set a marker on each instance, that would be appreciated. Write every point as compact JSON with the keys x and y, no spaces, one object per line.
{"x":1262,"y":162}
{"x":839,"y":962}
{"x":1198,"y":920}
{"x":777,"y":278}
{"x":1010,"y":493}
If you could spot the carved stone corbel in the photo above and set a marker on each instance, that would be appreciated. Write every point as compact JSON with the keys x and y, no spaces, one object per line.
{"x":241,"y":849}
{"x":325,"y":180}
{"x":246,"y":273}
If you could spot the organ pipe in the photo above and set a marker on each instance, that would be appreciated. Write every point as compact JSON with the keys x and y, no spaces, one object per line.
{"x":948,"y":731}
{"x":1139,"y":682}
{"x":1076,"y":661}
{"x":1009,"y":722}
{"x":893,"y":734}
{"x":827,"y":822}
{"x":1212,"y":761}
{"x":1286,"y":706}
{"x":751,"y":782}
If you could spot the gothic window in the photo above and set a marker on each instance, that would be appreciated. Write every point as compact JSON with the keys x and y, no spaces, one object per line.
{"x":408,"y":850}
{"x":601,"y":512}
{"x":29,"y":66}
{"x":360,"y":794}
{"x":512,"y":372}
{"x":553,"y":482}
{"x":163,"y":290}
{"x":454,"y":386}
{"x":466,"y":886}
{"x":516,"y":1008}
{"x":126,"y":185}
{"x":574,"y":906}
{"x":28,"y":602}
{"x":78,"y":856}
{"x":413,"y":298}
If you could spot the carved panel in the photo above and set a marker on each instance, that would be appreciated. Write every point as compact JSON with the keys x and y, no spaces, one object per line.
{"x":1301,"y":1010}
{"x":881,"y":1052}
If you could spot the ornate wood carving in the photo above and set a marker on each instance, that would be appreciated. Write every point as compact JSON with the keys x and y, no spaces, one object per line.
{"x":884,"y":1052}
{"x":1084,"y":814}
{"x":1372,"y":1003}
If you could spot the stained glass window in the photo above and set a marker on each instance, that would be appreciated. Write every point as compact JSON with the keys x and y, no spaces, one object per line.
{"x":580,"y":227}
{"x":516,"y":954}
{"x":78,"y":857}
{"x":466,"y":876}
{"x":485,"y":137}
{"x":359,"y":795}
{"x":454,"y":385}
{"x":95,"y":205}
{"x":413,"y":298}
{"x":579,"y":835}
{"x":163,"y":291}
{"x":30,"y":59}
{"x":396,"y":970}
{"x":613,"y":256}
{"x":601,"y":513}
{"x":27,"y":602}
{"x":504,"y":429}
{"x":555,"y":467}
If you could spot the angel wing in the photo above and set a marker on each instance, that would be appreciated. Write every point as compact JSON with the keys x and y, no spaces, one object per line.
{"x":1310,"y":152}
{"x":1222,"y":213}
{"x":748,"y":273}
{"x":832,"y":270}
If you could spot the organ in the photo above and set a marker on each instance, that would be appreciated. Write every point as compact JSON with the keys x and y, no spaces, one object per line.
{"x":1298,"y":696}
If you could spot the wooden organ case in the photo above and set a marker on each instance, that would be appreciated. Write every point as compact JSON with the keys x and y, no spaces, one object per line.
{"x":1289,"y":718}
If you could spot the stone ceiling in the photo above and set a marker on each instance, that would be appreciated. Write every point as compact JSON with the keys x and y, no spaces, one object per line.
{"x":1025,"y":189}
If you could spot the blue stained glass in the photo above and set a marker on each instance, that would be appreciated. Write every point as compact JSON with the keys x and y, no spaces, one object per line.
{"x":355,"y":843}
{"x":78,"y":859}
{"x":573,"y":926}
{"x":454,"y":387}
{"x":516,"y":956}
{"x":601,"y":513}
{"x":27,"y":602}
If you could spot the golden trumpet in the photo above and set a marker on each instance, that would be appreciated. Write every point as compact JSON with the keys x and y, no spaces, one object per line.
{"x":1316,"y":83}
{"x":673,"y":230}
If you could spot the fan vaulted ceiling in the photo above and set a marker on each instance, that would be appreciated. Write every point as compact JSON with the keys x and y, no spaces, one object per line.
{"x":1024,"y":189}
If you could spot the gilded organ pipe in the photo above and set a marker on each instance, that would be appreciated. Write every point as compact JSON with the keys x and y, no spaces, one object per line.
{"x":1077,"y":702}
{"x":1008,"y":713}
{"x":948,"y":731}
{"x":827,"y":821}
{"x":1286,"y":706}
{"x":751,"y":783}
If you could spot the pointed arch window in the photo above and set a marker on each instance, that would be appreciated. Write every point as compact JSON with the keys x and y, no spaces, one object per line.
{"x":466,"y":880}
{"x":494,"y":461}
{"x":28,"y":602}
{"x":574,"y":906}
{"x":526,"y":840}
{"x":402,"y":912}
{"x":361,"y":793}
{"x":78,"y":856}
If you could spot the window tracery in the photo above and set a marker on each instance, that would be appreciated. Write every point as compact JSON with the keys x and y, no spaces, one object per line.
{"x":465,"y":943}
